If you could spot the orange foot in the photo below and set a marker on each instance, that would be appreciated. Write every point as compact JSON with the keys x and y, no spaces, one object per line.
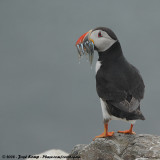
{"x":103,"y":135}
{"x":130,"y":131}
{"x":127,"y":132}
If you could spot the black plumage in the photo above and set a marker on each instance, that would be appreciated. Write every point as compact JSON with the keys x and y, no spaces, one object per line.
{"x":119,"y":83}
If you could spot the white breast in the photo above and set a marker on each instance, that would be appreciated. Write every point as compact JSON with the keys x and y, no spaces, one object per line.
{"x":105,"y":113}
{"x":98,"y":65}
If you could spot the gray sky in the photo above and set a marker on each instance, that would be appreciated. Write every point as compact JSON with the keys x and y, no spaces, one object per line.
{"x":47,"y":99}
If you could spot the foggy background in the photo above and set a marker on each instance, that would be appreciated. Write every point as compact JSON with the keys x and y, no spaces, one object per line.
{"x":47,"y":99}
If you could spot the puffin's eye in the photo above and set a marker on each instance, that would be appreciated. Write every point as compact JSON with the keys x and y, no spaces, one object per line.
{"x":99,"y":34}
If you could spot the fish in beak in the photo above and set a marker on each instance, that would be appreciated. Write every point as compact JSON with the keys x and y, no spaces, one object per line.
{"x":85,"y":45}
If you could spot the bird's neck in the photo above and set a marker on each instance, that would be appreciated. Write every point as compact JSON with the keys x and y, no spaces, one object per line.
{"x":113,"y":53}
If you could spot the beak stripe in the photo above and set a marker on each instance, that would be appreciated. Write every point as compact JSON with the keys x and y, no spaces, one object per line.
{"x":91,"y":40}
{"x":80,"y":40}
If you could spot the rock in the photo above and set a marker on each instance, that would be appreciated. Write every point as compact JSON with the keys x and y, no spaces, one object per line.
{"x":120,"y":147}
{"x":48,"y":155}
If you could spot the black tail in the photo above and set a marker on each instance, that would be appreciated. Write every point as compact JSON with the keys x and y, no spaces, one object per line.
{"x":139,"y":115}
{"x":135,"y":115}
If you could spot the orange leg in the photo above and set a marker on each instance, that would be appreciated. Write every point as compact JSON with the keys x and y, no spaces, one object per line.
{"x":130,"y":131}
{"x":105,"y":133}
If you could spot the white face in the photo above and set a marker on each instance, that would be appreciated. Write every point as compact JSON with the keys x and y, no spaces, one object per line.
{"x":102,"y":40}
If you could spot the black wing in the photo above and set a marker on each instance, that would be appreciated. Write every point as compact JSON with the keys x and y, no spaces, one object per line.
{"x":125,"y":93}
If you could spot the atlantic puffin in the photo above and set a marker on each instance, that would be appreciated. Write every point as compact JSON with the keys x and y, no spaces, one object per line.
{"x":119,"y":84}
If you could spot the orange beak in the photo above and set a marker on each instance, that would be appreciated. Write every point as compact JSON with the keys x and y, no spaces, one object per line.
{"x":81,"y":38}
{"x":85,"y":45}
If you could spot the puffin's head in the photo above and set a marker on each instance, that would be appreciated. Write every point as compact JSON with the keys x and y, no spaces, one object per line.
{"x":100,"y":39}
